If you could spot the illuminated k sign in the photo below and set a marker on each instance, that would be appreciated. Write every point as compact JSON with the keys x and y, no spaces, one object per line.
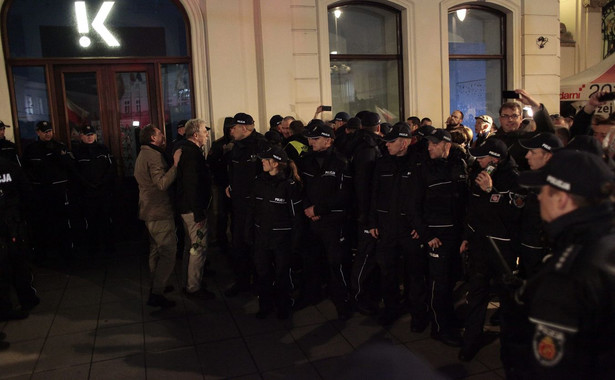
{"x":98,"y":24}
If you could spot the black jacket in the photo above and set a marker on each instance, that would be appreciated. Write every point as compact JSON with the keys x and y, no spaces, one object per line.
{"x":47,"y":163}
{"x":15,"y":196}
{"x":193,"y":183}
{"x":327,"y":183}
{"x":543,"y":124}
{"x":498,"y":212}
{"x":440,"y":195}
{"x":245,"y":165}
{"x":218,"y":160}
{"x":365,"y":149}
{"x":8,"y":150}
{"x":391,"y":192}
{"x":96,"y":169}
{"x":572,"y":300}
{"x":276,"y":207}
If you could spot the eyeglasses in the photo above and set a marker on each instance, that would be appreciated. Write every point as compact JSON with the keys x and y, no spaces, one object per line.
{"x":509,"y":117}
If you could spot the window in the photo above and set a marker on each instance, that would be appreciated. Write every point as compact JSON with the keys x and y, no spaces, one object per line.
{"x":477,"y":67}
{"x":365,"y":56}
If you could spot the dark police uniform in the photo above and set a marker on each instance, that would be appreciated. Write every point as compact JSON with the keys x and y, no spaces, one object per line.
{"x":276,"y":208}
{"x":15,"y":194}
{"x":8,"y":149}
{"x":244,"y":166}
{"x":364,"y":149}
{"x":391,"y":213}
{"x":441,"y":190}
{"x":47,"y":164}
{"x":494,"y":214}
{"x":218,"y":160}
{"x":571,"y":302}
{"x":533,"y":246}
{"x":96,"y":169}
{"x":326,"y":182}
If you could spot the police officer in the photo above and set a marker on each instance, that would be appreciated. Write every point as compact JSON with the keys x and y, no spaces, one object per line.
{"x":276,"y":209}
{"x":390,"y":224}
{"x":364,"y":147}
{"x":218,"y":160}
{"x":494,"y":209}
{"x":244,"y":166}
{"x":571,"y":301}
{"x":8,"y":149}
{"x":96,"y":169}
{"x":440,"y":197}
{"x":15,"y":195}
{"x":532,"y":246}
{"x":326,"y":180}
{"x":47,"y":164}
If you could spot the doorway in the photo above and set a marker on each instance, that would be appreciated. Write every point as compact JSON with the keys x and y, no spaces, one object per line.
{"x":118,"y":100}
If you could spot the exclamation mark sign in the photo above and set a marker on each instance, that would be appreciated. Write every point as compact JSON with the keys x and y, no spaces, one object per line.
{"x":82,"y":23}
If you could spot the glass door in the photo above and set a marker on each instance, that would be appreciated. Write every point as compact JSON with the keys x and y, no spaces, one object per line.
{"x":118,"y":100}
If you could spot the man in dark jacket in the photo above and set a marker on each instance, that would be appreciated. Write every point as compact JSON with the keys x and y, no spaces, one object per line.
{"x":15,"y":196}
{"x":8,"y":149}
{"x":571,"y":302}
{"x":48,"y":164}
{"x":390,"y":224}
{"x":218,"y":160}
{"x":440,"y":197}
{"x":96,"y":169}
{"x":511,"y":116}
{"x":364,"y":147}
{"x":193,"y":199}
{"x":532,"y":247}
{"x":494,"y":210}
{"x":244,"y":166}
{"x":326,"y":179}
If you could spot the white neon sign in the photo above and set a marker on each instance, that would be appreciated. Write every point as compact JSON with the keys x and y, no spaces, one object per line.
{"x":98,"y":24}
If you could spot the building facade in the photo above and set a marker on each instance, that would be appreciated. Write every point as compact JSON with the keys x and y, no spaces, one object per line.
{"x":176,"y":59}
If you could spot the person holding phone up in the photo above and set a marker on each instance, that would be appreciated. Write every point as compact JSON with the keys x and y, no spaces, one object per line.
{"x":511,"y":116}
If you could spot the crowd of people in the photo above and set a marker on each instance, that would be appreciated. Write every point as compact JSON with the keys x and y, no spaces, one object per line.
{"x":383,"y":220}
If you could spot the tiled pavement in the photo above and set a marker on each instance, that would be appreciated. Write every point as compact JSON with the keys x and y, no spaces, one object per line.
{"x":93,"y":323}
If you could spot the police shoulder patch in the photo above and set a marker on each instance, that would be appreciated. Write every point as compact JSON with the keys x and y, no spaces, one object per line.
{"x":548,"y":345}
{"x":517,"y":200}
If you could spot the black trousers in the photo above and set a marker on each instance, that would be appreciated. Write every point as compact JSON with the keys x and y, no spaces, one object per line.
{"x":272,"y":261}
{"x":326,"y":240}
{"x":14,"y":272}
{"x":444,"y":271}
{"x":393,"y":253}
{"x":242,"y":252}
{"x":365,"y":286}
{"x":483,"y":268}
{"x":51,"y":227}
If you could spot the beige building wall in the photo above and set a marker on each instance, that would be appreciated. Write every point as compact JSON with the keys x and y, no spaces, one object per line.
{"x":268,"y":57}
{"x":585,"y":24}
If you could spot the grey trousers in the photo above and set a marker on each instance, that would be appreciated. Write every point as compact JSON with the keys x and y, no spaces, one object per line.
{"x":162,"y":249}
{"x":193,"y":260}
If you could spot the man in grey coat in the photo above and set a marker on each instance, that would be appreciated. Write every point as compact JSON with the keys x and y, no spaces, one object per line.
{"x":155,"y":172}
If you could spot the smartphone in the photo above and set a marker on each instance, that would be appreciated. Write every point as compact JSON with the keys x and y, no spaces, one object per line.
{"x":607,"y":96}
{"x":489,"y":169}
{"x":509,"y":95}
{"x":325,"y":108}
